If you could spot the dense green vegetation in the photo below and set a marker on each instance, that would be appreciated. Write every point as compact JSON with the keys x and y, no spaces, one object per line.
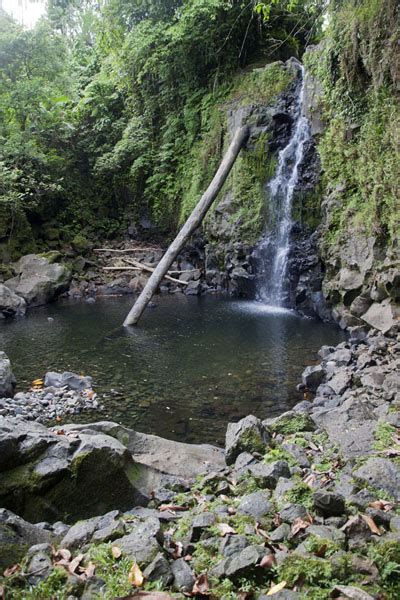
{"x":358,"y":65}
{"x":107,"y":108}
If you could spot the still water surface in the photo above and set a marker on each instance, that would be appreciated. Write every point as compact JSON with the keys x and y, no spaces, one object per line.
{"x":190,"y":367}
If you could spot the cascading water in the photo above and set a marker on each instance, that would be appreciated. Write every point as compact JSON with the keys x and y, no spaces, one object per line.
{"x":274,"y":248}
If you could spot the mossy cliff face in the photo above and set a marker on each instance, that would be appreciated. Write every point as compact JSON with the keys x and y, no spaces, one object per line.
{"x":263,"y":98}
{"x":355,"y":111}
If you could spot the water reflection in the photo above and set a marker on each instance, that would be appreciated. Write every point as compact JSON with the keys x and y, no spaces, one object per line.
{"x":190,"y":367}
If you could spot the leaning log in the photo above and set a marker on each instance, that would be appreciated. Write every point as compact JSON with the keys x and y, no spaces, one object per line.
{"x":195,"y":219}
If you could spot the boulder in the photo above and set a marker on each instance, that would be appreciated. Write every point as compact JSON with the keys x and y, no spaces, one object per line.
{"x":255,"y":505}
{"x":159,"y":570}
{"x":382,"y":316}
{"x":7,"y":379}
{"x":141,"y":545}
{"x":329,"y":503}
{"x":38,"y":280}
{"x":16,"y":536}
{"x":381,"y":474}
{"x":312,"y":377}
{"x":267,"y":475}
{"x":48,"y":476}
{"x":248,"y":435}
{"x":11,"y":305}
{"x":70,"y":380}
{"x":183,"y":576}
{"x":160,"y":458}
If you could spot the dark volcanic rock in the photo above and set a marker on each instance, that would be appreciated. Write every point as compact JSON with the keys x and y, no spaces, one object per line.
{"x":329,"y":503}
{"x":248,"y":435}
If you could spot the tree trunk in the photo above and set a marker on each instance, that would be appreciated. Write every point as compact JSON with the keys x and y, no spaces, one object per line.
{"x":195,"y":219}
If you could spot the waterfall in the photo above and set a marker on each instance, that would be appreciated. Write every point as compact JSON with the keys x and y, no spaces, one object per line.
{"x":275,"y":246}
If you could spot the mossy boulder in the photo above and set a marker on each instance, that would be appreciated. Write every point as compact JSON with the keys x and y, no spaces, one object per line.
{"x":48,"y":476}
{"x":16,"y":536}
{"x":248,"y":435}
{"x":290,"y":422}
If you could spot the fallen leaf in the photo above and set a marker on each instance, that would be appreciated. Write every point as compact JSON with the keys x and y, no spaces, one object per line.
{"x":392,"y":452}
{"x":268,"y":561}
{"x":38,"y":383}
{"x":147,"y":596}
{"x":382,"y":505}
{"x":135,"y":576}
{"x":177,"y":549}
{"x":321,"y":551}
{"x":299,"y":525}
{"x":201,"y":585}
{"x":276,"y":588}
{"x":64,"y":553}
{"x":260,"y":531}
{"x":74,"y":564}
{"x":371,"y":524}
{"x":172,"y":507}
{"x":277,"y":520}
{"x":188,"y":557}
{"x":244,"y":595}
{"x":232,"y":510}
{"x":90,"y":569}
{"x":225,"y":529}
{"x":58,"y":419}
{"x":116,"y":551}
{"x":11,"y":570}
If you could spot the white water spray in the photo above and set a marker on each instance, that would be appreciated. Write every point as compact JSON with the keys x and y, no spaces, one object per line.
{"x":280,"y":193}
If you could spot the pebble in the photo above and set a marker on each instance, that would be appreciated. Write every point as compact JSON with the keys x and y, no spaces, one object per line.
{"x":48,"y":403}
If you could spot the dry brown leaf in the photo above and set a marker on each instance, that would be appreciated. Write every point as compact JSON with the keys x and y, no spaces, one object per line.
{"x":321,"y":551}
{"x":201,"y":585}
{"x":135,"y":576}
{"x":225,"y":529}
{"x":260,"y":531}
{"x":371,"y":524}
{"x":276,"y":588}
{"x":268,"y":561}
{"x":11,"y":570}
{"x":63,"y":553}
{"x":299,"y":525}
{"x":90,"y":569}
{"x":74,"y":564}
{"x":172,"y":507}
{"x":116,"y":551}
{"x":177,"y":549}
{"x":382,"y":505}
{"x":277,"y":520}
{"x":188,"y":557}
{"x":147,"y":596}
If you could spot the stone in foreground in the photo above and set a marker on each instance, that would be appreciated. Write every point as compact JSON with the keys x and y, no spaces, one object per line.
{"x":248,"y":435}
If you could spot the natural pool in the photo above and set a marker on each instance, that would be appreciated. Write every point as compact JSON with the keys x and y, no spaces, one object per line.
{"x":190,"y":367}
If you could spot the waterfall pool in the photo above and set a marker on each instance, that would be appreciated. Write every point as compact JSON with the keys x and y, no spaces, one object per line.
{"x":190,"y":367}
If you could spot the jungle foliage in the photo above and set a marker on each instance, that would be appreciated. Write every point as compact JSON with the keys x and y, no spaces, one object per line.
{"x":102,"y":103}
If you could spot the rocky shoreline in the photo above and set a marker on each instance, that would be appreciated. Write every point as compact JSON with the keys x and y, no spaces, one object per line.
{"x":305,"y":505}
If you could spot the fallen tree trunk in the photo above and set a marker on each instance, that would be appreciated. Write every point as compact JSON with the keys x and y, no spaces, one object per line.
{"x":142,"y":266}
{"x":189,"y":227}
